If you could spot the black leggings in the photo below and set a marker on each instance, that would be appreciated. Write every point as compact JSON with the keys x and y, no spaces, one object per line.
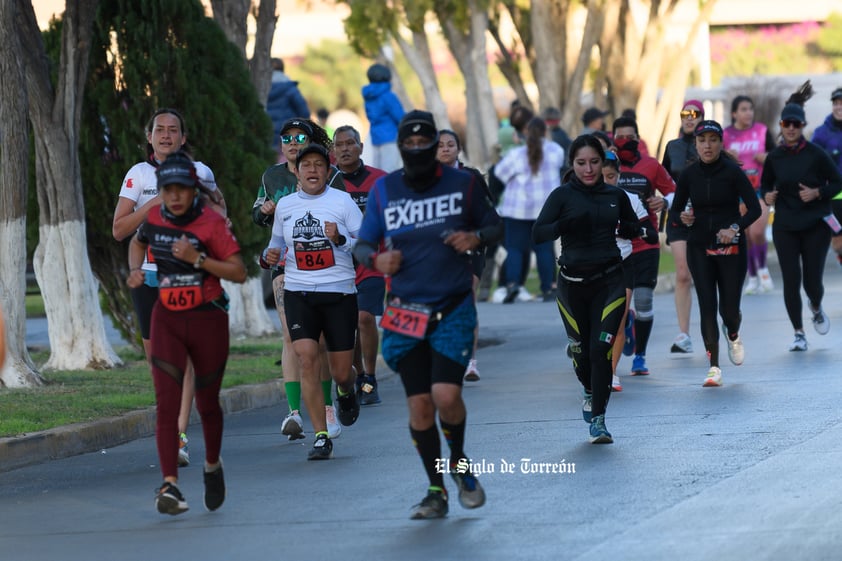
{"x":717,"y":277}
{"x":592,"y":313}
{"x":802,"y":251}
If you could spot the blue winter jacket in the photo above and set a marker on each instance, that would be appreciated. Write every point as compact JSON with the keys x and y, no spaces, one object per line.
{"x":384,"y":112}
{"x":829,"y":137}
{"x":285,"y":102}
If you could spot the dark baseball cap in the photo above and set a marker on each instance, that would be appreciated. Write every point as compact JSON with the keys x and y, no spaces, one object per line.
{"x":708,"y":126}
{"x":417,"y":122}
{"x":593,"y":114}
{"x":837,"y":94}
{"x":312,"y":148}
{"x":297,"y":123}
{"x":176,"y":169}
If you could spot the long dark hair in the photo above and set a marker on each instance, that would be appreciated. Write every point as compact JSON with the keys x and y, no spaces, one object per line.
{"x":151,"y":124}
{"x":582,"y":142}
{"x":536,"y":130}
{"x":735,"y":104}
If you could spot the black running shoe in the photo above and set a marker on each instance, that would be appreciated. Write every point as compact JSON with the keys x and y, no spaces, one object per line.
{"x":368,"y":391}
{"x":169,"y":499}
{"x":434,"y":505}
{"x":347,"y":408}
{"x":322,"y":448}
{"x":214,"y":489}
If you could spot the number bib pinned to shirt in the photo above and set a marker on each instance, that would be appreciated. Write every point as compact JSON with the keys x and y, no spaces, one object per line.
{"x":179,"y":292}
{"x":407,"y":319}
{"x":314,"y":255}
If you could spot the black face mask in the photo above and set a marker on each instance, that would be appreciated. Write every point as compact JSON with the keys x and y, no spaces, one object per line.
{"x":420,"y":166}
{"x":627,"y":149}
{"x":192,"y":213}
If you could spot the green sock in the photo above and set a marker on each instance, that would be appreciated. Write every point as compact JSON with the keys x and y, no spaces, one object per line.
{"x":326,"y":387}
{"x":293,"y":390}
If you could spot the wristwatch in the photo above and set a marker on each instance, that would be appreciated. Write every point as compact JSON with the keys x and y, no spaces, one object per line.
{"x":478,"y":234}
{"x":199,"y":260}
{"x":735,"y":227}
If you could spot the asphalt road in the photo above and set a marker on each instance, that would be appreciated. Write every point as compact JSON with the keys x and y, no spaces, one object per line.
{"x":746,"y":471}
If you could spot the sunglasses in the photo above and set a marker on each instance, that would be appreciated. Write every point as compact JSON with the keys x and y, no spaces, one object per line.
{"x":787,"y":124}
{"x":298,"y":138}
{"x":689,"y":114}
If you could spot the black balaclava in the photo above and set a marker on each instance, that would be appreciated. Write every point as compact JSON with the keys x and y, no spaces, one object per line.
{"x":420,"y":165}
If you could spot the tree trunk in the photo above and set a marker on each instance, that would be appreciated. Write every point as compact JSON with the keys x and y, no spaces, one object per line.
{"x":232,"y":17}
{"x":549,"y":37}
{"x":76,"y":328}
{"x":260,"y":64}
{"x":247,"y":316}
{"x":419,"y":58}
{"x":17,"y":369}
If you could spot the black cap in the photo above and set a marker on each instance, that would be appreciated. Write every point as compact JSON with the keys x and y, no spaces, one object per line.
{"x":593,"y":114}
{"x":378,"y":73}
{"x":297,"y":123}
{"x":176,"y":169}
{"x":793,"y":112}
{"x":708,"y":126}
{"x":417,"y":122}
{"x":312,"y":148}
{"x":837,"y":94}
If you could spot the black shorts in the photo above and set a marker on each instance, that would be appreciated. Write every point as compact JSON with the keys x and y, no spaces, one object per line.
{"x":644,"y":267}
{"x":677,"y":233}
{"x":144,"y":298}
{"x":422,"y":367}
{"x":371,"y":293}
{"x":311,"y":314}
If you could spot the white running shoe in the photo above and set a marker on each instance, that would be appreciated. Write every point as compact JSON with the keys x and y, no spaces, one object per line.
{"x":523,"y":295}
{"x":498,"y":295}
{"x":714,"y":378}
{"x":682,"y":344}
{"x":334,"y":429}
{"x":752,"y":286}
{"x":472,"y":373}
{"x":736,"y":351}
{"x":821,"y":322}
{"x":183,"y":451}
{"x":615,"y":384}
{"x":800,"y":343}
{"x":293,"y":426}
{"x":766,"y":284}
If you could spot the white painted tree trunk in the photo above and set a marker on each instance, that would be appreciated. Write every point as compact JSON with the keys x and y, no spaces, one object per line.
{"x":418,"y":56}
{"x":18,"y":370}
{"x":74,"y":319}
{"x":247,"y":316}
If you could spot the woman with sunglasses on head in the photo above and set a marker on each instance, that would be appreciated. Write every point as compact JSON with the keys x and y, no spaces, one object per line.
{"x":748,"y":141}
{"x":680,"y":153}
{"x":587,"y":215}
{"x":277,"y":182}
{"x":716,"y":252}
{"x":800,"y":179}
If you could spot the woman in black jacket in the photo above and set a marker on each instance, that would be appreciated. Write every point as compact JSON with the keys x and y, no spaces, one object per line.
{"x":587,"y":214}
{"x":716,"y":252}
{"x":800,"y":179}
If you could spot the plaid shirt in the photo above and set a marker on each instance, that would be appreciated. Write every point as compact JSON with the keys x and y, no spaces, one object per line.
{"x":525,"y":193}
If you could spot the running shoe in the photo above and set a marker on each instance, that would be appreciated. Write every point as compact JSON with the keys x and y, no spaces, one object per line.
{"x":214,"y":488}
{"x":800,"y":343}
{"x":714,"y":378}
{"x":293,"y":426}
{"x":169,"y":499}
{"x":334,"y":429}
{"x":472,"y":373}
{"x":628,"y":346}
{"x":549,"y":296}
{"x":524,"y":295}
{"x":183,"y":451}
{"x":639,"y":366}
{"x":615,"y":384}
{"x":511,"y":294}
{"x":766,"y":284}
{"x":682,"y":344}
{"x":752,"y":286}
{"x":821,"y":322}
{"x":322,"y":448}
{"x":587,"y":401}
{"x":434,"y":505}
{"x":499,"y":295}
{"x":348,"y":408}
{"x":368,"y":391}
{"x":736,"y":351}
{"x":600,"y":434}
{"x":471,"y":493}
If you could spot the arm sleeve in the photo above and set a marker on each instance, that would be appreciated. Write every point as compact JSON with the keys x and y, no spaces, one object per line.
{"x":277,"y":240}
{"x":258,"y":217}
{"x":222,"y":243}
{"x":664,"y":182}
{"x":767,"y":179}
{"x":546,"y":225}
{"x":353,"y":222}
